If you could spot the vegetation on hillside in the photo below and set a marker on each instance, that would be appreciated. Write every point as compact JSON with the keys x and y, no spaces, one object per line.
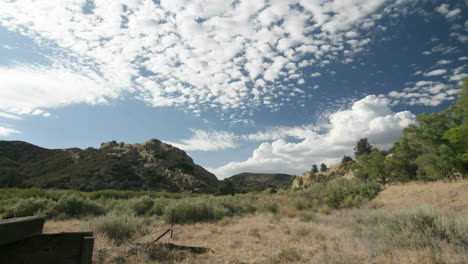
{"x":152,"y":165}
{"x":255,"y":182}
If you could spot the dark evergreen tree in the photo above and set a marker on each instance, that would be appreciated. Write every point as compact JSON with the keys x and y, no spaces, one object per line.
{"x":314,"y":168}
{"x":226,"y":187}
{"x":346,"y":159}
{"x":363,"y":147}
{"x":323,"y":167}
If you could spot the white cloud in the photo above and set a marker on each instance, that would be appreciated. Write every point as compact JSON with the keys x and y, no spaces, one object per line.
{"x":316,"y":74}
{"x":7,"y":47}
{"x":444,"y":9}
{"x":370,"y":117}
{"x":193,"y":53}
{"x":10,"y":116}
{"x":27,"y":90}
{"x":444,"y":62}
{"x":436,"y":72}
{"x":7,"y":131}
{"x":207,"y":141}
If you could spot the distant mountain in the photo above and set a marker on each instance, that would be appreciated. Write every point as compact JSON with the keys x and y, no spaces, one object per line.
{"x":152,"y":165}
{"x":255,"y":182}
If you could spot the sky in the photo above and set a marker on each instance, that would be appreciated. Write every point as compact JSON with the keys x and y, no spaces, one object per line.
{"x":241,"y":86}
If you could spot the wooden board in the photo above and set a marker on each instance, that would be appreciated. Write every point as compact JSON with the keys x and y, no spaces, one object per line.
{"x":66,"y":248}
{"x":15,"y":229}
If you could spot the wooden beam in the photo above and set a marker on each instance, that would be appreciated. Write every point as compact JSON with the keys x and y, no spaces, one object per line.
{"x":63,"y":248}
{"x":87,"y":250}
{"x":15,"y":229}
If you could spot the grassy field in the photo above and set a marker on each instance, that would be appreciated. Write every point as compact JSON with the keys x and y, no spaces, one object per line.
{"x":335,"y":222}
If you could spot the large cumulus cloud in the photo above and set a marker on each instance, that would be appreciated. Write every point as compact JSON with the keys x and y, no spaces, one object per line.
{"x":370,"y":117}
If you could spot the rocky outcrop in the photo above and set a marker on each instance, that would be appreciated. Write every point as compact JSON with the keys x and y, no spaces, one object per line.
{"x":308,"y":178}
{"x":152,"y":165}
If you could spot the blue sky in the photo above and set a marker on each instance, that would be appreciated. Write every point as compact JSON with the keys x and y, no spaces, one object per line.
{"x":260,"y":86}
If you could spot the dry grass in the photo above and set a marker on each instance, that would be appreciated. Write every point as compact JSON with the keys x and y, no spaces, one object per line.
{"x":448,"y":197}
{"x":341,"y":236}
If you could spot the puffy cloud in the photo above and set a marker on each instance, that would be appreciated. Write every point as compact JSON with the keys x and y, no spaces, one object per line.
{"x":7,"y":131}
{"x":193,"y":54}
{"x":444,"y":62}
{"x":436,"y":72}
{"x":444,"y":9}
{"x":370,"y":117}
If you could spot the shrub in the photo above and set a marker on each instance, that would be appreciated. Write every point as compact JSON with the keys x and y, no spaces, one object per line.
{"x":76,"y":206}
{"x":304,"y":231}
{"x":16,"y":193}
{"x":289,"y":255}
{"x":270,"y":206}
{"x":347,"y":194}
{"x":142,"y":205}
{"x":193,"y":210}
{"x":118,"y":227}
{"x":159,"y":206}
{"x":28,"y":207}
{"x":418,"y":227}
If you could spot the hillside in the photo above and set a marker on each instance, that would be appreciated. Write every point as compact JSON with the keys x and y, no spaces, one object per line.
{"x":152,"y":165}
{"x":447,"y":197}
{"x":255,"y":182}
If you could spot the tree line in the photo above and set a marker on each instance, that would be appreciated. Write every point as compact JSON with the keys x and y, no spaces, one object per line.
{"x":435,"y":148}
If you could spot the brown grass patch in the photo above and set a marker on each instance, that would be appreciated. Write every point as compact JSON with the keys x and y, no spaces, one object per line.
{"x":449,"y":197}
{"x":338,"y":236}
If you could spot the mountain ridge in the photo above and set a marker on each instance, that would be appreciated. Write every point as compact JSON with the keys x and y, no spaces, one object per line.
{"x":152,"y":165}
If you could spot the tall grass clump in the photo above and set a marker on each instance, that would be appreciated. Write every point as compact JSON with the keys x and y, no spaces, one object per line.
{"x":194,"y":210}
{"x":118,"y":227}
{"x":269,"y":206}
{"x":76,"y":206}
{"x":159,"y":206}
{"x":28,"y":207}
{"x":421,"y":227}
{"x":141,"y":205}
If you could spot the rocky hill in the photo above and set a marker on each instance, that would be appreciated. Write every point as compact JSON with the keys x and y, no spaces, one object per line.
{"x":255,"y":182}
{"x":152,"y":165}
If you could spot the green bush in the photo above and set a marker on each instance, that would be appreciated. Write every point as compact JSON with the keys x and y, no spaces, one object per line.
{"x":16,"y":193}
{"x":347,"y":194}
{"x":28,"y":207}
{"x":159,"y":206}
{"x":118,"y":227}
{"x":142,"y":205}
{"x":76,"y":206}
{"x":194,"y":210}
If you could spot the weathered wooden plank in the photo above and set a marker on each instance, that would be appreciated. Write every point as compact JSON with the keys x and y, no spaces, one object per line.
{"x":64,"y":248}
{"x":87,"y":250}
{"x":15,"y":229}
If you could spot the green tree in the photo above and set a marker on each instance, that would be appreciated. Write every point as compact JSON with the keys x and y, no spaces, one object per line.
{"x":363,"y":147}
{"x":403,"y":162}
{"x":438,"y":146}
{"x":226,"y":187}
{"x":323,"y":167}
{"x":376,"y":166}
{"x":314,"y":168}
{"x":346,"y":160}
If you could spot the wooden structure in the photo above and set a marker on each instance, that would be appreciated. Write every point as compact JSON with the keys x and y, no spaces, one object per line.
{"x":22,"y":241}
